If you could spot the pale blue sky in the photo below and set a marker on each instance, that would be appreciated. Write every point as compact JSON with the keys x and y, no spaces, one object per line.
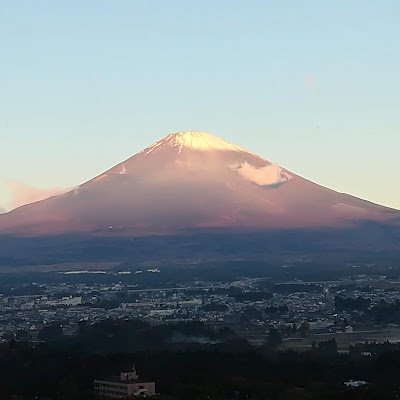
{"x":311,"y":85}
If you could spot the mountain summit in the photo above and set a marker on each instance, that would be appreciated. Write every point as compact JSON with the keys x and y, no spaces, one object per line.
{"x":195,"y":140}
{"x":192,"y":181}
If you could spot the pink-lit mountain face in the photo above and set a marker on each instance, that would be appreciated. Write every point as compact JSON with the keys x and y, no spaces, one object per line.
{"x":192,"y":181}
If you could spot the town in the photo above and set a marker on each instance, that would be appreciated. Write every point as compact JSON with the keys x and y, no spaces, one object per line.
{"x":355,"y":308}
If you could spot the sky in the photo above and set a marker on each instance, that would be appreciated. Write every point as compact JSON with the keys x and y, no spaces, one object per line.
{"x":311,"y":85}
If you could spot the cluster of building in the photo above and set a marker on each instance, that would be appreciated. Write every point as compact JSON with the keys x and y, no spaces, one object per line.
{"x":237,"y":304}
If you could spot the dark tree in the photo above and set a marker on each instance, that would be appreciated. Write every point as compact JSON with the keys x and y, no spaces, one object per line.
{"x":274,"y":338}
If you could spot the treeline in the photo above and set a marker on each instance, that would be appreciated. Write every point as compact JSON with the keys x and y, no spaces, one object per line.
{"x":352,"y":304}
{"x":381,"y":313}
{"x":132,"y":335}
{"x":229,"y":371}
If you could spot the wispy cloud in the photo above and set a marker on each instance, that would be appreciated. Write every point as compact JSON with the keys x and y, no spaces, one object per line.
{"x":21,"y":194}
{"x":269,"y":175}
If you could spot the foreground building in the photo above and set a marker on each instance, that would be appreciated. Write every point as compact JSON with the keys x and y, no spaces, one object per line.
{"x":125,"y":385}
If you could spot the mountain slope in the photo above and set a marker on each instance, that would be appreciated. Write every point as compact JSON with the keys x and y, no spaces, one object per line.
{"x":192,"y":181}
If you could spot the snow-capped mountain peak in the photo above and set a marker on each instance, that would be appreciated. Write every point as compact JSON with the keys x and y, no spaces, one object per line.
{"x":195,"y":140}
{"x":202,"y":141}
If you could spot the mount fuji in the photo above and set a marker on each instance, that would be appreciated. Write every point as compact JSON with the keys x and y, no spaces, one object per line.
{"x":194,"y":182}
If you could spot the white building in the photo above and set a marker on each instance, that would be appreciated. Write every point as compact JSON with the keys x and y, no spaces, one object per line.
{"x":125,"y":385}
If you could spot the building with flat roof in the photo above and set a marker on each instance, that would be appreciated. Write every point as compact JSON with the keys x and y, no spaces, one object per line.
{"x":125,"y":385}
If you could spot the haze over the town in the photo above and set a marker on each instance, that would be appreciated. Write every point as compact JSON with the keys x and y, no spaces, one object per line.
{"x":81,"y":91}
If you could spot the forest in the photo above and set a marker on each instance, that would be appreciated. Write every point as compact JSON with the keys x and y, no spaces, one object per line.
{"x":61,"y":368}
